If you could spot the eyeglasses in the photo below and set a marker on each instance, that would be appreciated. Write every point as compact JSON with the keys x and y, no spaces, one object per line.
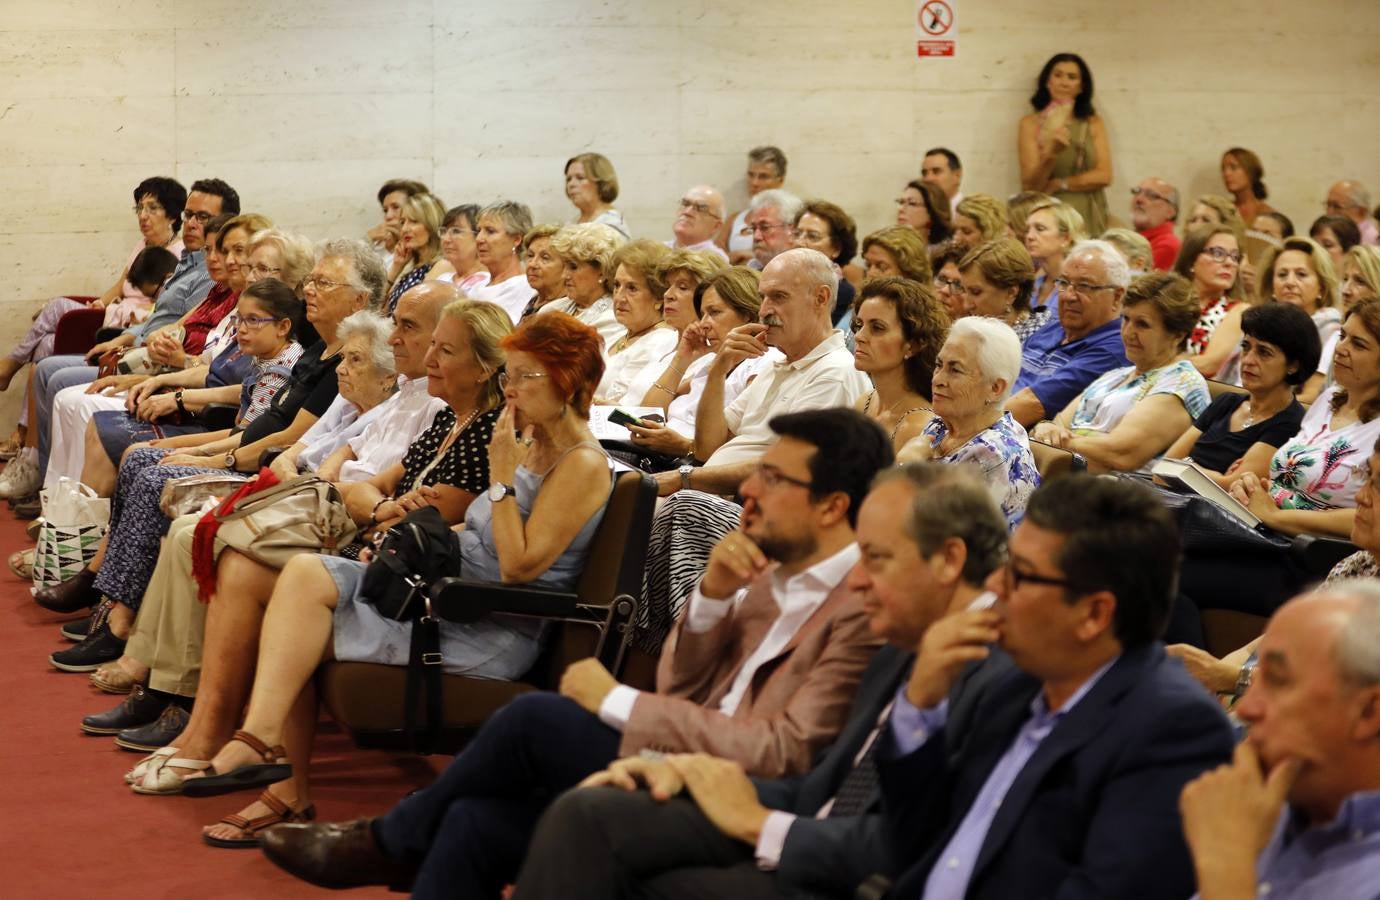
{"x":909,"y":202}
{"x":772,"y":477}
{"x":813,"y":237}
{"x":152,"y":209}
{"x":255,"y":321}
{"x":458,"y":232}
{"x":764,"y":227}
{"x":1082,"y":288}
{"x":323,"y":284}
{"x":259,"y":271}
{"x":202,"y":217}
{"x":701,"y":208}
{"x":1150,"y":195}
{"x":949,"y":284}
{"x":1223,"y":255}
{"x":1016,"y":578}
{"x":519,"y":377}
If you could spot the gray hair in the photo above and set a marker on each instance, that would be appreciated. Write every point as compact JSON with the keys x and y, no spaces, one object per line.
{"x":814,"y":266}
{"x":515,"y":217}
{"x":375,"y":330}
{"x":771,"y":156}
{"x":1132,"y":244}
{"x":366,"y":269}
{"x":1356,"y":193}
{"x":953,"y":501}
{"x":1357,"y":651}
{"x":998,"y":350}
{"x":1118,"y":272}
{"x":786,"y":204}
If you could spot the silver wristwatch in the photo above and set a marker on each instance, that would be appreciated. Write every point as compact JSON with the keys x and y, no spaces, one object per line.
{"x":685,"y":471}
{"x":498,"y":490}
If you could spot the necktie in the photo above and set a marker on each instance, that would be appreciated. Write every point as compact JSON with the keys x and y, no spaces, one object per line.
{"x":859,"y":786}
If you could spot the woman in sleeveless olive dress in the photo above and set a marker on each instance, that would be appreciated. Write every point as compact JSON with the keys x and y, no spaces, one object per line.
{"x":1063,"y":144}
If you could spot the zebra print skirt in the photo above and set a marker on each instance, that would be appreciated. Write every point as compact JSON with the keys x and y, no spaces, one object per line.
{"x":687,"y":526}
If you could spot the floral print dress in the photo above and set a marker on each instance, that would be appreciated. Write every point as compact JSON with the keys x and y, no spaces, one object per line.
{"x":1003,"y":454}
{"x":1322,"y":468}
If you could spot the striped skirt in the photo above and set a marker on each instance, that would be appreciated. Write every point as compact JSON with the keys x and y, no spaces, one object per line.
{"x":687,"y":526}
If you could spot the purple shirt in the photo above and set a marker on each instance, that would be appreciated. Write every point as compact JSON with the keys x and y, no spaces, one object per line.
{"x":911,"y":727}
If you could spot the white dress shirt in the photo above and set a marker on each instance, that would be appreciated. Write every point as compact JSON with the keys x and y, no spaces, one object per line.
{"x":513,"y":294}
{"x":401,"y":420}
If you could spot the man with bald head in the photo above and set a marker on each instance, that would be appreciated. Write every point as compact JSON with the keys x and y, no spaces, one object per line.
{"x":1154,"y":209}
{"x":1296,"y":814}
{"x":1351,"y":199}
{"x":701,"y":214}
{"x":797,"y":289}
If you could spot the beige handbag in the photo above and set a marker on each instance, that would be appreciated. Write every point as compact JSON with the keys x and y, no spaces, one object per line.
{"x":191,"y":493}
{"x":301,"y":515}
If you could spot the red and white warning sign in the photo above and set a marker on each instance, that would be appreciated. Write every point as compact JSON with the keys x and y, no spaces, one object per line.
{"x":935,"y":31}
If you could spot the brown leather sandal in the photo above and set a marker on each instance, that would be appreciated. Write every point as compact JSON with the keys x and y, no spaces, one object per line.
{"x":281,"y":814}
{"x":273,"y":769}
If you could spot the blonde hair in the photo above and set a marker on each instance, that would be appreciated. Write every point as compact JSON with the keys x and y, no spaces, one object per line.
{"x":1131,"y":244}
{"x":1069,"y":220}
{"x":591,"y":243}
{"x":1319,"y":258}
{"x":645,"y":258}
{"x":908,"y":248}
{"x":428,"y":210}
{"x":701,"y":264}
{"x":297,"y":252}
{"x":987,"y":211}
{"x":1019,"y":206}
{"x":536,"y":233}
{"x":488,"y":324}
{"x":1225,"y":208}
{"x":1366,"y":258}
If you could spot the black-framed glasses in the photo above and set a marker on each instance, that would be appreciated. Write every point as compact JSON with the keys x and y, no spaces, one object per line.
{"x":256,"y":321}
{"x":1081,"y":288}
{"x":947,"y":284}
{"x":202,"y":217}
{"x":1015,"y":577}
{"x":772,"y":477}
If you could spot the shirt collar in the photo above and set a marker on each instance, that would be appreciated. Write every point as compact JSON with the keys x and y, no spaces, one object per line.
{"x":827,"y":573}
{"x":1040,"y":711}
{"x":833,"y":342}
{"x":1358,"y":817}
{"x":410,"y":386}
{"x":1113,"y":325}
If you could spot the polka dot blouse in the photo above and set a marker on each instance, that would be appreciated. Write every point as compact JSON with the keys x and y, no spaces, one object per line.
{"x":465,"y":464}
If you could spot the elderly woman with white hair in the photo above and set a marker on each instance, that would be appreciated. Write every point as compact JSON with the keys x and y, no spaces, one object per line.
{"x":587,"y":253}
{"x":973,"y":376}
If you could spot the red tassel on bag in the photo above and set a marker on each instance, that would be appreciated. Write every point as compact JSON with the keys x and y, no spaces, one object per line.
{"x":204,"y":538}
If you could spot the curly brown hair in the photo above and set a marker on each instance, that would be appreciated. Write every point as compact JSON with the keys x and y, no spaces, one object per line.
{"x":1368,"y":311}
{"x":924,"y":323}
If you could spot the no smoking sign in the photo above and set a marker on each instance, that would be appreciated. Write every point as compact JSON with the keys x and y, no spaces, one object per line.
{"x":934,"y":28}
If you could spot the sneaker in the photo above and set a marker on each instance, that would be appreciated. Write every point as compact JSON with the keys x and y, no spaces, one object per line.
{"x":159,"y":734}
{"x":77,"y":629}
{"x":20,"y":478}
{"x":140,"y":708}
{"x":98,"y":647}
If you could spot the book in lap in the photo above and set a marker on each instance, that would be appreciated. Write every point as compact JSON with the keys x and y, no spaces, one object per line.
{"x":1188,"y":475}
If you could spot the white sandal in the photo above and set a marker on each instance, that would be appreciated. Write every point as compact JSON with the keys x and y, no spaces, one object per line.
{"x":137,"y":773}
{"x":159,"y":780}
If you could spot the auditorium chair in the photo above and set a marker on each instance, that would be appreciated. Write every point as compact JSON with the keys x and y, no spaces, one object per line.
{"x":1052,"y":462}
{"x":1218,"y":388}
{"x":597,"y":619}
{"x":76,"y":330}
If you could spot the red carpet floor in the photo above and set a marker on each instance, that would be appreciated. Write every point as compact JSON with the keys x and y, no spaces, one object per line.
{"x":69,"y":828}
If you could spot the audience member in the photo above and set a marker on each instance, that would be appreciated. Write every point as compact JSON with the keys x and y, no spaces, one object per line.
{"x":1018,"y":207}
{"x":698,"y":221}
{"x":587,"y":253}
{"x":1293,"y":815}
{"x":897,"y":251}
{"x":1051,"y":229}
{"x":942,"y":168}
{"x":502,"y":226}
{"x":1211,"y":260}
{"x":392,"y":196}
{"x":591,"y":185}
{"x":631,"y":362}
{"x":930,"y":536}
{"x":1239,"y":432}
{"x":997,"y":279}
{"x":1336,"y":235}
{"x":1063,"y":144}
{"x":766,"y":170}
{"x":762,"y":668}
{"x":1350,"y":198}
{"x":948,"y":285}
{"x":1082,"y":341}
{"x":979,"y":218}
{"x":898,"y":329}
{"x":545,"y":269}
{"x":768,"y":222}
{"x":1154,"y":209}
{"x":1243,"y":175}
{"x":923,"y":207}
{"x":972,"y":379}
{"x":417,"y":252}
{"x":1300,"y":273}
{"x":1275,"y":224}
{"x":1125,"y":419}
{"x":1211,"y":210}
{"x":1133,"y":247}
{"x":458,"y":231}
{"x":825,"y":227}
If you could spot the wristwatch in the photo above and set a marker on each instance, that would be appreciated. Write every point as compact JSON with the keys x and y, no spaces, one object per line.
{"x":230,"y":460}
{"x":685,"y":471}
{"x":498,"y":490}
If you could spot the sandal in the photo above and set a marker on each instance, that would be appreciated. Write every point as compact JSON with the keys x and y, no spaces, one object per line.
{"x":113,"y":679}
{"x":22,"y":563}
{"x":137,"y":773}
{"x":281,"y":814}
{"x":158,"y":779}
{"x":273,"y":769}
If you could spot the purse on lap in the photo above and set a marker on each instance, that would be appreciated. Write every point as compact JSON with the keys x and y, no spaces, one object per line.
{"x":300,"y":515}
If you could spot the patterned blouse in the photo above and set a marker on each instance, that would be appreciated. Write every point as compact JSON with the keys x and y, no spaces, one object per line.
{"x":266,"y":377}
{"x":406,"y":282}
{"x":466,"y":462}
{"x":1003,"y":454}
{"x":1320,"y":468}
{"x":1207,"y":324}
{"x":1031,"y":323}
{"x":1107,"y":400}
{"x":1358,"y":565}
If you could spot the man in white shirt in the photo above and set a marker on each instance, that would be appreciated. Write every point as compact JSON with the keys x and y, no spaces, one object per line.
{"x":701,"y":214}
{"x":761,"y":669}
{"x":798,"y":289}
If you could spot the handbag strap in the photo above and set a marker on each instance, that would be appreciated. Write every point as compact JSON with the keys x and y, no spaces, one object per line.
{"x":258,"y":499}
{"x":424,"y":678}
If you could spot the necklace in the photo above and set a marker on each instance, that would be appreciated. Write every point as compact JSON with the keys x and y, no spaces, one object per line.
{"x":455,"y":431}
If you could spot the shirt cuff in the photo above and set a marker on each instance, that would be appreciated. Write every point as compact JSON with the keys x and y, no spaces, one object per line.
{"x":772,"y":841}
{"x":704,"y":613}
{"x":912,"y":727}
{"x":617,"y":707}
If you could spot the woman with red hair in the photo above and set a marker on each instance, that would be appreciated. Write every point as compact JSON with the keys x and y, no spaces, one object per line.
{"x":533,"y":526}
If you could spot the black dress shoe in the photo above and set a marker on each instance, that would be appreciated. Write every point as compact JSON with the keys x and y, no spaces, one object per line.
{"x":340,"y":855}
{"x":141,"y":707}
{"x":76,"y":593}
{"x":95,"y":650}
{"x":77,"y":629}
{"x":157,"y":734}
{"x":29,"y":507}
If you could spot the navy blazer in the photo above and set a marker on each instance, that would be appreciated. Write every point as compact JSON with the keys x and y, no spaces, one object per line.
{"x":1094,"y":813}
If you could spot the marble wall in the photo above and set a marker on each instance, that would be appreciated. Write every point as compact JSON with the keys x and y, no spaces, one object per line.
{"x":307,"y":107}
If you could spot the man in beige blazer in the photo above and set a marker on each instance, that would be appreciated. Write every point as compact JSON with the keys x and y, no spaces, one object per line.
{"x":761,"y":668}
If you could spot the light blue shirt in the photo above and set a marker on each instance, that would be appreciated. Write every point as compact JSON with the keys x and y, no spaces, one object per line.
{"x":911,"y":728}
{"x":187,"y":286}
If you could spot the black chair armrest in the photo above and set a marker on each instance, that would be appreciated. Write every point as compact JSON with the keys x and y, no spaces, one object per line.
{"x":269,"y":455}
{"x":1318,"y":553}
{"x":458,"y":600}
{"x":219,"y":416}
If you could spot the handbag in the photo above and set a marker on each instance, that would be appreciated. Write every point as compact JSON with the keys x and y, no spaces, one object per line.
{"x":414,"y":555}
{"x":74,"y":521}
{"x":300,"y":515}
{"x":181,"y":496}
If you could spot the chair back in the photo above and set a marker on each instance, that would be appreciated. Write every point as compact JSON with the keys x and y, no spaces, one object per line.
{"x":1052,"y":462}
{"x":1218,"y":388}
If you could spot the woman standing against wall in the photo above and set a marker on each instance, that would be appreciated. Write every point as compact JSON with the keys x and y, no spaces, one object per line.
{"x":1063,"y":143}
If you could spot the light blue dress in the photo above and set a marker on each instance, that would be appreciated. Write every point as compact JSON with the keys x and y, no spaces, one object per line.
{"x":498,"y":647}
